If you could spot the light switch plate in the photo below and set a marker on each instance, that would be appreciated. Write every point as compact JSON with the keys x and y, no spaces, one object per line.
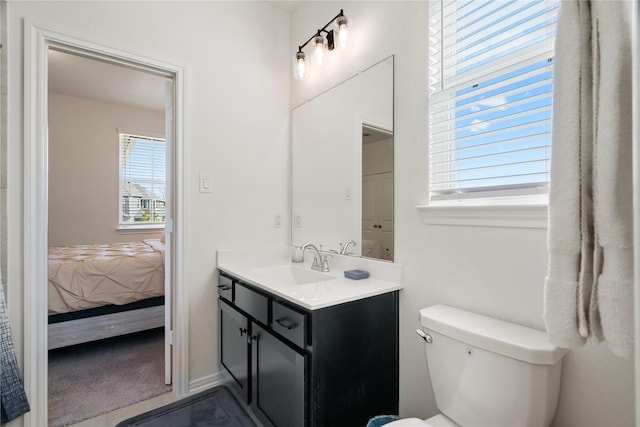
{"x":205,"y":184}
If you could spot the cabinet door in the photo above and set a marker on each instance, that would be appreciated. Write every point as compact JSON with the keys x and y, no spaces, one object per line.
{"x":234,"y":347}
{"x":279,"y":393}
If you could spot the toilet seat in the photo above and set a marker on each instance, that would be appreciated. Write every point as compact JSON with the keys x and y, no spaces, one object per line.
{"x":436,"y":421}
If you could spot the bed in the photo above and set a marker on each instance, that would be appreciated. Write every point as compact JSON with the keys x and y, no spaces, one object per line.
{"x":101,"y":291}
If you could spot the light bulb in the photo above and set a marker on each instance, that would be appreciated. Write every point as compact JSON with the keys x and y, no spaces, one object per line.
{"x":343,"y":32}
{"x":320,"y":50}
{"x":300,"y":67}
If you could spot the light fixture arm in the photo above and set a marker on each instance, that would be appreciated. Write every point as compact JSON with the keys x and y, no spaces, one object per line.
{"x":330,"y":36}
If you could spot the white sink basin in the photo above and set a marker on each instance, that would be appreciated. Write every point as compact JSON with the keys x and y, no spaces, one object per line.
{"x":292,"y":274}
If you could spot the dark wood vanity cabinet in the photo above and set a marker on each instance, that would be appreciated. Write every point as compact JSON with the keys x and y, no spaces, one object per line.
{"x":330,"y":367}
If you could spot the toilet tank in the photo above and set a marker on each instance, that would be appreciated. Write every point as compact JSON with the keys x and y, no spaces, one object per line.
{"x":488,"y":372}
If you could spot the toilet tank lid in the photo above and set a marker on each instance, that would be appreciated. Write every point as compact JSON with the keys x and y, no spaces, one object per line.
{"x":516,"y":341}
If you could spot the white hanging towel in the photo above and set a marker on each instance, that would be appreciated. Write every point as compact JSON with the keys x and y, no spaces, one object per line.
{"x":612,"y":297}
{"x":589,"y":287}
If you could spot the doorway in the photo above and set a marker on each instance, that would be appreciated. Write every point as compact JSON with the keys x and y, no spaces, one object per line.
{"x":109,"y":187}
{"x":377,"y":192}
{"x":38,"y":43}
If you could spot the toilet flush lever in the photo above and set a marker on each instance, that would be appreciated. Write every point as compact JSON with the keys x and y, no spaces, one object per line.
{"x":424,"y":336}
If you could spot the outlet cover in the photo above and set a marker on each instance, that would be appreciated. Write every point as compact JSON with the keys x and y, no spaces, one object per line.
{"x":277,"y":220}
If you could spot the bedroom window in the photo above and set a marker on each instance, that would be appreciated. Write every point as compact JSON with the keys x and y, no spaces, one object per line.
{"x":490,"y":95}
{"x":142,"y":181}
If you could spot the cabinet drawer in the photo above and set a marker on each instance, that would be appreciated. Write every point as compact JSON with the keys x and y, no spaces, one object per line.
{"x":225,"y":287}
{"x":290,"y":324}
{"x":251,"y":302}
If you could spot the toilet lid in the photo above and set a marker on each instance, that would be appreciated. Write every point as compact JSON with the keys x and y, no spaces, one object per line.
{"x":408,"y":422}
{"x":440,"y":420}
{"x":437,"y":421}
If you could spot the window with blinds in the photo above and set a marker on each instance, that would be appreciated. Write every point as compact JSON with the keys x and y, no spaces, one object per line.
{"x":490,"y":93}
{"x":142,"y":180}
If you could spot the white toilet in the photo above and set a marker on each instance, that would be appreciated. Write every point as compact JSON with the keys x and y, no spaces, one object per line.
{"x":487,"y":372}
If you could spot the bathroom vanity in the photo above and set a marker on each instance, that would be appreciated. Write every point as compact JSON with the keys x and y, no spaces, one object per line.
{"x":308,"y":349}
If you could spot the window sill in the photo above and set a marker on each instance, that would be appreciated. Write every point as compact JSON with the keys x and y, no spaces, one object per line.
{"x":140,"y":229}
{"x":516,"y":216}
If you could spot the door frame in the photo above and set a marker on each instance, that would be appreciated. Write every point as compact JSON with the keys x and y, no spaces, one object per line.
{"x":37,"y":41}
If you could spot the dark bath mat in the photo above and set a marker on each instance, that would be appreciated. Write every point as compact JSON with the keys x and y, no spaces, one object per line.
{"x":216,"y":407}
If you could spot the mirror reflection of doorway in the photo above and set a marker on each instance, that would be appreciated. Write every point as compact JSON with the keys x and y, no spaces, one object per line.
{"x":377,"y":193}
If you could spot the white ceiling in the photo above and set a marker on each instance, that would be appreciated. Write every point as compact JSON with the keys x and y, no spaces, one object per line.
{"x":89,"y":78}
{"x":371,"y":134}
{"x":287,"y":5}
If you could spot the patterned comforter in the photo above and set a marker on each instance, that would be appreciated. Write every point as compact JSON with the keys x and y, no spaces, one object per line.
{"x":87,"y":276}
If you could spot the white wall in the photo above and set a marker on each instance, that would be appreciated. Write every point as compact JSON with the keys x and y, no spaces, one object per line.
{"x":237,"y":129}
{"x":494,"y":271}
{"x":84,"y":168}
{"x":3,"y":145}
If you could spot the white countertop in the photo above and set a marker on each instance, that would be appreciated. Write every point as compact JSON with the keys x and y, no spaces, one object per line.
{"x":336,"y":289}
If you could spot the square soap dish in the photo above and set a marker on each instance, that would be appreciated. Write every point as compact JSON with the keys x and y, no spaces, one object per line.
{"x":356,"y":274}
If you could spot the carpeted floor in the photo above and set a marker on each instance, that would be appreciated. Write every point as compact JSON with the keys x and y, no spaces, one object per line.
{"x":91,"y":379}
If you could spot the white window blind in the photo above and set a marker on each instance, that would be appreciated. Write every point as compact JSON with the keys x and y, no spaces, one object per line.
{"x":142,"y":180}
{"x":490,"y":94}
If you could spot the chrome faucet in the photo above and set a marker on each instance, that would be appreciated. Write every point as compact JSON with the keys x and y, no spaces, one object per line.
{"x":343,"y":248}
{"x":319,"y":263}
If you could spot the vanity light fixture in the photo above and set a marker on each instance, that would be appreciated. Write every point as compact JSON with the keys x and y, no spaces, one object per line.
{"x":318,"y":52}
{"x":300,"y":70}
{"x":322,"y":44}
{"x":343,"y":31}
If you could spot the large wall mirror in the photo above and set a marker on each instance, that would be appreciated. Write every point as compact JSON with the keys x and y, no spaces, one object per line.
{"x":342,"y":166}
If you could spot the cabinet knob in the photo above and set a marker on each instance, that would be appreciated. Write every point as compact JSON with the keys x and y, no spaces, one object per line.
{"x":224,"y":287}
{"x":243,"y":331}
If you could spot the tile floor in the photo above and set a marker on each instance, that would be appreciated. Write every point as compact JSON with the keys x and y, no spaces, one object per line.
{"x":112,"y":418}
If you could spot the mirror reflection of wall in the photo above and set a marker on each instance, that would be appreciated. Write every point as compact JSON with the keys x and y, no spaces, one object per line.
{"x":328,"y":166}
{"x":377,"y":193}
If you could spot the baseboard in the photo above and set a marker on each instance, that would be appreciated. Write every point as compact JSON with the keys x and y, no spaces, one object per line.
{"x":204,"y":383}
